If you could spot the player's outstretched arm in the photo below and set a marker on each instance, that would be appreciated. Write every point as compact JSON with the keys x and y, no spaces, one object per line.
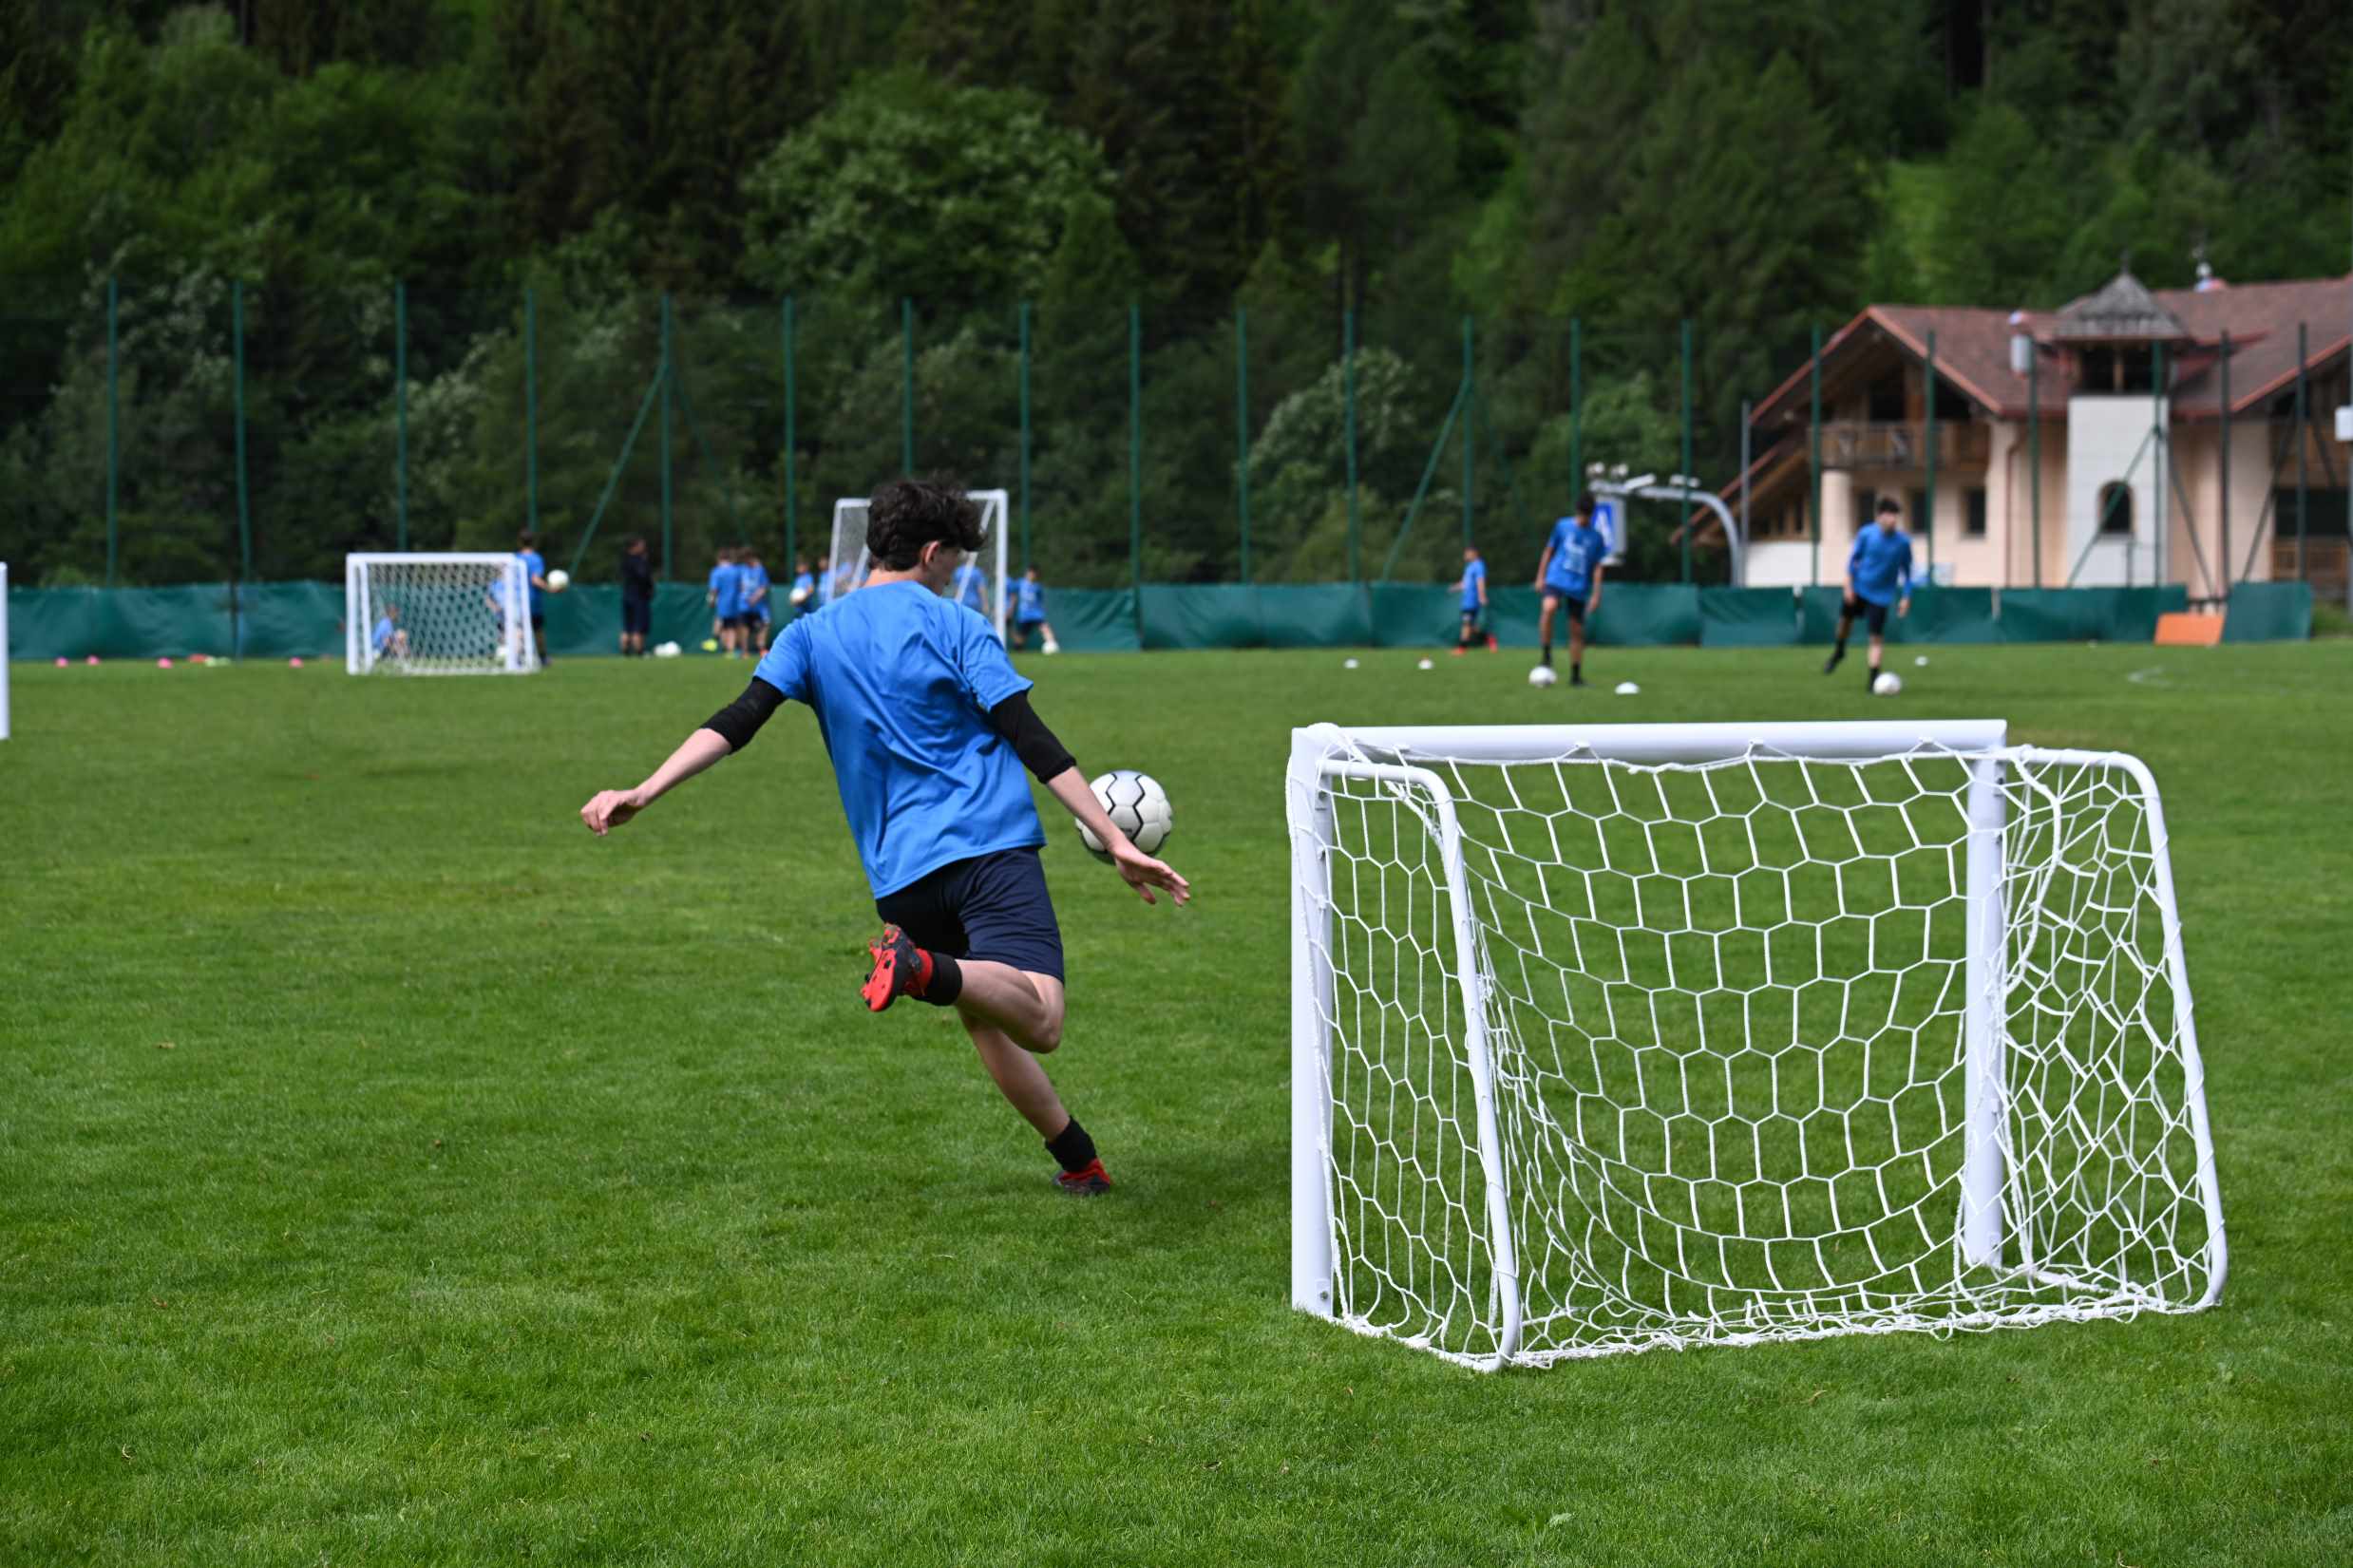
{"x":1543,"y":564}
{"x":1137,"y":869}
{"x":723,"y":734}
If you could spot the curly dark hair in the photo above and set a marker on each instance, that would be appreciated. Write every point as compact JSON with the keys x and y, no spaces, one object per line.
{"x":907,"y":513}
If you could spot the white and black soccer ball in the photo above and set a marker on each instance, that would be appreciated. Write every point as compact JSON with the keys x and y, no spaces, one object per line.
{"x":1542,"y":675}
{"x":1887,"y":685}
{"x":559,"y":580}
{"x":1137,"y":806}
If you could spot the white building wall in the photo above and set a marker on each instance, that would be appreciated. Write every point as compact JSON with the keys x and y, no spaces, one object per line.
{"x":2108,"y":441}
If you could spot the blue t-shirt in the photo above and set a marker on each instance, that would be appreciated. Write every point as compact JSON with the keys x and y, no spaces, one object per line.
{"x":1029,"y":601}
{"x":966,"y":588}
{"x":1474,"y":576}
{"x":534,"y":565}
{"x":749,"y":580}
{"x":901,"y":682}
{"x":804,"y":585}
{"x":382,"y":636}
{"x":1880,"y":565}
{"x":728,"y":582}
{"x":1577,"y":549}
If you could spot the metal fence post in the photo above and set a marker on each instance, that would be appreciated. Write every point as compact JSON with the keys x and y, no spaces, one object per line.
{"x":1469,"y":443}
{"x":114,"y":444}
{"x":2304,"y":490}
{"x":1928,"y":510}
{"x":1135,"y":458}
{"x":244,"y":511}
{"x":1025,"y":435}
{"x":906,"y":386}
{"x":400,"y":416}
{"x":792,"y":495}
{"x":1576,"y":406}
{"x":531,"y":408}
{"x":1814,"y":466}
{"x":1242,"y":427}
{"x":1348,"y":386}
{"x":1682,"y":525}
{"x":2224,"y":368}
{"x":663,"y":374}
{"x":2034,"y":444}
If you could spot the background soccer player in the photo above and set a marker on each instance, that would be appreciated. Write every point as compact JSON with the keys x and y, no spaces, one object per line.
{"x":804,"y":588}
{"x":1474,"y":586}
{"x":1879,"y":573}
{"x":636,"y":596}
{"x":387,"y":637}
{"x":929,"y":729}
{"x":969,"y":586}
{"x":755,"y":584}
{"x":722,"y":567}
{"x":535,"y":566}
{"x":1570,"y":573}
{"x":1029,"y":612}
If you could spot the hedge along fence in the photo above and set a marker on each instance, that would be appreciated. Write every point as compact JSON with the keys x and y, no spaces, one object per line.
{"x":278,"y":619}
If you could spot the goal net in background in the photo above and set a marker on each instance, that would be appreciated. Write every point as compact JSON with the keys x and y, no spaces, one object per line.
{"x":1627,"y":1036}
{"x":446,"y":613}
{"x":848,"y":565}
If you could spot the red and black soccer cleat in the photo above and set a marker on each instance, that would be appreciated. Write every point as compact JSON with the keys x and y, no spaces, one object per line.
{"x":1090,"y":1182}
{"x":901,"y":968}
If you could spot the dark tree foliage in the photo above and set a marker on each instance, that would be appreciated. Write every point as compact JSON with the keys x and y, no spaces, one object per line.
{"x":1288,"y":170}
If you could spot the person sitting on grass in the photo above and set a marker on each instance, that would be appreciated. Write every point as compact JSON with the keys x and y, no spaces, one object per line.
{"x":929,"y":729}
{"x":389,"y":638}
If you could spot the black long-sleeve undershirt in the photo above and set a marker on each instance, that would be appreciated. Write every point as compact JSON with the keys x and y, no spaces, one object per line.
{"x":1036,"y":746}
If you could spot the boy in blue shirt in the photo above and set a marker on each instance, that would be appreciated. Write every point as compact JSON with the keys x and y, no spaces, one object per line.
{"x":969,"y":586}
{"x":804,"y":588}
{"x":387,"y":637}
{"x":1474,"y":586}
{"x":1570,"y":573}
{"x":722,"y":566}
{"x":929,"y":729}
{"x":1028,"y":613}
{"x":755,"y":584}
{"x":1879,"y":573}
{"x":535,"y":566}
{"x":727,"y":603}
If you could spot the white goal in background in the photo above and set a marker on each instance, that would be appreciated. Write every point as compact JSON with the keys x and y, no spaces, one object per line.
{"x":849,"y":563}
{"x":1614,"y":1037}
{"x":451,"y":614}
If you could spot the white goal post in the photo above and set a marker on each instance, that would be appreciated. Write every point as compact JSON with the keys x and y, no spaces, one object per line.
{"x":1607,"y":1038}
{"x":447,"y":612}
{"x":848,"y":563}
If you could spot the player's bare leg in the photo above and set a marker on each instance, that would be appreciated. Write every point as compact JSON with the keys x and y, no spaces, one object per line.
{"x":1544,"y":629}
{"x":1846,"y":623}
{"x":1019,"y":1077}
{"x":1026,"y":1007}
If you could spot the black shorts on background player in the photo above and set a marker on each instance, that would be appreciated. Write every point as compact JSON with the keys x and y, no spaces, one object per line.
{"x":637,"y":616}
{"x":1874,"y":616}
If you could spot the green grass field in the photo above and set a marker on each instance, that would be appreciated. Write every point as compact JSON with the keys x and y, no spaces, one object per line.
{"x":389,"y":1172}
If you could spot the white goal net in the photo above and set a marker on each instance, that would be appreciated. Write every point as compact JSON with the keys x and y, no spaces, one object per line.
{"x":847,"y":564}
{"x":1617,"y":1037}
{"x":446,"y":614}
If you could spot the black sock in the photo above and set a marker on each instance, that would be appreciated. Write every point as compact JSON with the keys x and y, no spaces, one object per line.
{"x":1870,"y":678}
{"x":1072,"y":1149}
{"x":1840,"y":650}
{"x":946,"y":983}
{"x":1548,"y":656}
{"x":1576,"y":670}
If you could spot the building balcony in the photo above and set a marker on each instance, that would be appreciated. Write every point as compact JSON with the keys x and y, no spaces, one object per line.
{"x":1863,"y":445}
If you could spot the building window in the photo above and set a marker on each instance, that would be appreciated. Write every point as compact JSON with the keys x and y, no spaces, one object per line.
{"x":1975,"y":527}
{"x":2115,"y":507}
{"x":1921,"y":521}
{"x":1866,"y":507}
{"x":1884,"y":401}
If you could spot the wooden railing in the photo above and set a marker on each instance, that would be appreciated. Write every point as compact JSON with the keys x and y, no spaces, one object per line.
{"x":1904,"y":443}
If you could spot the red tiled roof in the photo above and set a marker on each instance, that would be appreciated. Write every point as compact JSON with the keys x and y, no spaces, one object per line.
{"x":1973,"y":346}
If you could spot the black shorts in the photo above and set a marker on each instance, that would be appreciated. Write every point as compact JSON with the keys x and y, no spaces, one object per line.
{"x":1471,"y":618}
{"x":735,"y":623}
{"x":993,"y":907}
{"x":1571,"y":602}
{"x":1874,"y":616}
{"x":538,"y":621}
{"x":637,"y":616}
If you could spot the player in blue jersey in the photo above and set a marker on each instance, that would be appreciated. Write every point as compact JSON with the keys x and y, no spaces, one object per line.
{"x":535,"y":567}
{"x":1569,"y":575}
{"x":969,"y":586}
{"x":727,"y":603}
{"x":1879,"y":574}
{"x":757,"y":616}
{"x":722,"y":567}
{"x":929,"y":729}
{"x":1473,"y":587}
{"x":1029,"y":614}
{"x":387,"y":637}
{"x":804,"y":594}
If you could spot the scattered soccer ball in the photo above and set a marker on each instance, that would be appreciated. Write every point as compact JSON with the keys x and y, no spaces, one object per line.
{"x":802,"y":597}
{"x":1887,"y":685}
{"x":1348,"y":664}
{"x":1427,"y":663}
{"x":1627,"y":689}
{"x":1919,"y":661}
{"x":1542,"y":675}
{"x":559,"y":580}
{"x":710,"y":644}
{"x":1051,"y":647}
{"x":667,"y":650}
{"x":1137,"y":806}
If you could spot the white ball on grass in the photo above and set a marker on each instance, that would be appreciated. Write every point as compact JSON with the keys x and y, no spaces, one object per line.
{"x":1542,"y":675}
{"x":1919,"y":661}
{"x":1348,"y":664}
{"x":1887,"y":685}
{"x":559,"y":580}
{"x":1627,"y":689}
{"x":1052,"y":647}
{"x":1427,"y":663}
{"x":1137,"y":806}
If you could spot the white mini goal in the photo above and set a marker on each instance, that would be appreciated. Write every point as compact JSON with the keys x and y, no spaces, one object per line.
{"x":848,"y":563}
{"x":1614,"y":1037}
{"x":452,"y":613}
